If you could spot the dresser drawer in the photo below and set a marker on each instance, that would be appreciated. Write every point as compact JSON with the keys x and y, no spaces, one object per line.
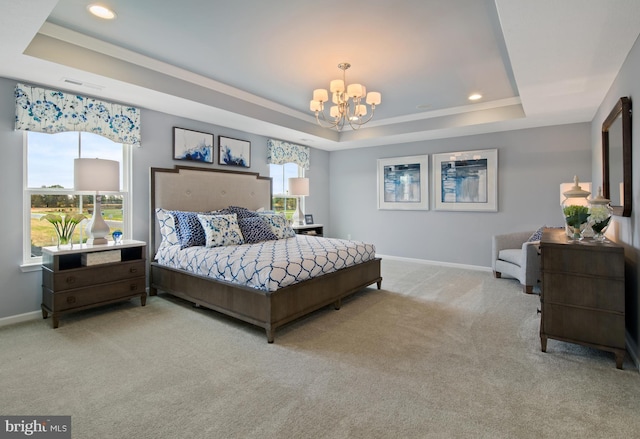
{"x":574,"y":259}
{"x":82,"y":277}
{"x":583,"y":325}
{"x":585,"y":291}
{"x":93,"y":295}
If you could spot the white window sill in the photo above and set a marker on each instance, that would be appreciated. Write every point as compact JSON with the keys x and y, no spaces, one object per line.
{"x":31,"y":266}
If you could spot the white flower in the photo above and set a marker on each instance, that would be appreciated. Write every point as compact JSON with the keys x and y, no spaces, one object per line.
{"x":599,"y":214}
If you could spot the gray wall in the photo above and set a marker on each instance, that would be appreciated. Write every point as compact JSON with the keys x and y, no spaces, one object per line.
{"x":531,"y":165}
{"x":625,"y":230}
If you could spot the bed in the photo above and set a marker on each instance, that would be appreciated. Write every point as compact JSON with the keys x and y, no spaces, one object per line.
{"x":194,"y":189}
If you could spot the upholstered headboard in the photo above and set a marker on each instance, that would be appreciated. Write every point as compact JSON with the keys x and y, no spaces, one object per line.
{"x":201,"y":190}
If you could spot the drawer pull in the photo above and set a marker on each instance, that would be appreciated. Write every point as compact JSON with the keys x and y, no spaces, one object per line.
{"x":71,"y":279}
{"x":133,"y":287}
{"x":133,"y":270}
{"x":71,"y":299}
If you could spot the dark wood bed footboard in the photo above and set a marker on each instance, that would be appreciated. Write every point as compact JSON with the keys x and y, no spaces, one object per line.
{"x":261,"y":308}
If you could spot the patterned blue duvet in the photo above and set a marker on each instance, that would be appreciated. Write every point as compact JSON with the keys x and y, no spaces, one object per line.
{"x":268,"y":265}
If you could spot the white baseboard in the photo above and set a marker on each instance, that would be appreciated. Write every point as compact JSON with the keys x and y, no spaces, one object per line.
{"x":440,"y":263}
{"x":19,"y":318}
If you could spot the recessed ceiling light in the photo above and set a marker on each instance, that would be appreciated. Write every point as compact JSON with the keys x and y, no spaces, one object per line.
{"x":101,"y":11}
{"x":475,"y":96}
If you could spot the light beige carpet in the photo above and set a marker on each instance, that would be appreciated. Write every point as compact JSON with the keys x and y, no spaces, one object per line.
{"x":438,"y":353}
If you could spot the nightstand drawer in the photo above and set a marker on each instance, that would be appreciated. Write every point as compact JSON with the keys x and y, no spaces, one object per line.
{"x":82,"y":277}
{"x":93,"y":295}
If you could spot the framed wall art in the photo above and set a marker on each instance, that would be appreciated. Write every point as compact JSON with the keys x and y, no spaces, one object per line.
{"x":192,"y":145}
{"x":403,"y":183}
{"x":466,"y":180}
{"x":234,"y":152}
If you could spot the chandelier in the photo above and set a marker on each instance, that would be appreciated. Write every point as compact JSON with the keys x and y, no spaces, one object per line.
{"x":349,"y":103}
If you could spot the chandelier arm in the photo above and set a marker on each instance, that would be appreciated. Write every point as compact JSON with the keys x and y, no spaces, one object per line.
{"x":356,"y":125}
{"x":324,"y":118}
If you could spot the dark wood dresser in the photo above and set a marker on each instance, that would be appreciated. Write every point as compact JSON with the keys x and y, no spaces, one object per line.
{"x":86,"y":276}
{"x":582,"y":297}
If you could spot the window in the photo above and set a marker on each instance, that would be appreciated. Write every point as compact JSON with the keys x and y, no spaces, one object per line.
{"x":281,"y":174}
{"x":48,"y":186}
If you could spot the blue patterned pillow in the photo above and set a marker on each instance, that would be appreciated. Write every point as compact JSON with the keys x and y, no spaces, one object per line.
{"x":255,"y":229}
{"x":189,"y":230}
{"x":167,"y":225}
{"x":278,"y":224}
{"x":242,"y":212}
{"x":221,"y":230}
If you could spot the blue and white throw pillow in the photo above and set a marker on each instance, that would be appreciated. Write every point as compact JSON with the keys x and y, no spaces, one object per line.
{"x":221,"y":230}
{"x":167,"y":225}
{"x":190,"y":231}
{"x":242,"y":212}
{"x":255,"y":229}
{"x":537,"y":235}
{"x":279,"y":225}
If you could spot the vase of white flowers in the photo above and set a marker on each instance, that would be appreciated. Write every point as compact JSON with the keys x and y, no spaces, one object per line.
{"x":600,"y":216}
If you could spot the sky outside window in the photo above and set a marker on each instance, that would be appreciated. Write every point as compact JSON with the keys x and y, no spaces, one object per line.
{"x":50,"y":156}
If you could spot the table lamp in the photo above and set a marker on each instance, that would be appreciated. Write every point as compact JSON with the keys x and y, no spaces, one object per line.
{"x":96,"y":175}
{"x":299,"y":187}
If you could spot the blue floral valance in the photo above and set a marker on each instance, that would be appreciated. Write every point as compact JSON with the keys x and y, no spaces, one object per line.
{"x":280,"y":152}
{"x":50,"y":111}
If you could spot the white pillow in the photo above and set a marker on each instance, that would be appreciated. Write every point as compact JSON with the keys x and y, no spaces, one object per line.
{"x":167,"y":225}
{"x":221,"y":230}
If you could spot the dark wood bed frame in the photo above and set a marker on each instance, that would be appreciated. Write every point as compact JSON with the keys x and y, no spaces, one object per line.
{"x":199,"y":189}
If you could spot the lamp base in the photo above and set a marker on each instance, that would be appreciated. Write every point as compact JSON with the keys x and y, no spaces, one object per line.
{"x":97,"y":241}
{"x":97,"y":228}
{"x":298,"y":215}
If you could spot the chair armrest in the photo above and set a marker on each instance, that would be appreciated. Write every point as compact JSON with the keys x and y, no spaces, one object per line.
{"x":531,"y":264}
{"x":507,"y":240}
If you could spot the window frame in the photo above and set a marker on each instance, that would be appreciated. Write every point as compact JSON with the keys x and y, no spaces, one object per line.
{"x":285,"y":185}
{"x":30,"y":262}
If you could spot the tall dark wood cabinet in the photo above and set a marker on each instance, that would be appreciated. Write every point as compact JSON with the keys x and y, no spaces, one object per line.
{"x":582,"y":297}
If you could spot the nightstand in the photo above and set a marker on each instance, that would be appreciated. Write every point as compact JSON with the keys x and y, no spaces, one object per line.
{"x":86,"y":276}
{"x":308,"y":229}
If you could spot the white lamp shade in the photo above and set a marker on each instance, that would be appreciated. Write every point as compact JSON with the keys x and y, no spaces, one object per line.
{"x":374,"y":98}
{"x":315,"y":106}
{"x":96,"y":175}
{"x":354,"y":90}
{"x":334,"y":111}
{"x":299,"y":186}
{"x":361,"y":110}
{"x":320,"y":95}
{"x":337,"y":85}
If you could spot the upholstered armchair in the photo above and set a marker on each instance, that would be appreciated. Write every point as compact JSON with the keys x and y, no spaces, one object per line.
{"x":514,"y":256}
